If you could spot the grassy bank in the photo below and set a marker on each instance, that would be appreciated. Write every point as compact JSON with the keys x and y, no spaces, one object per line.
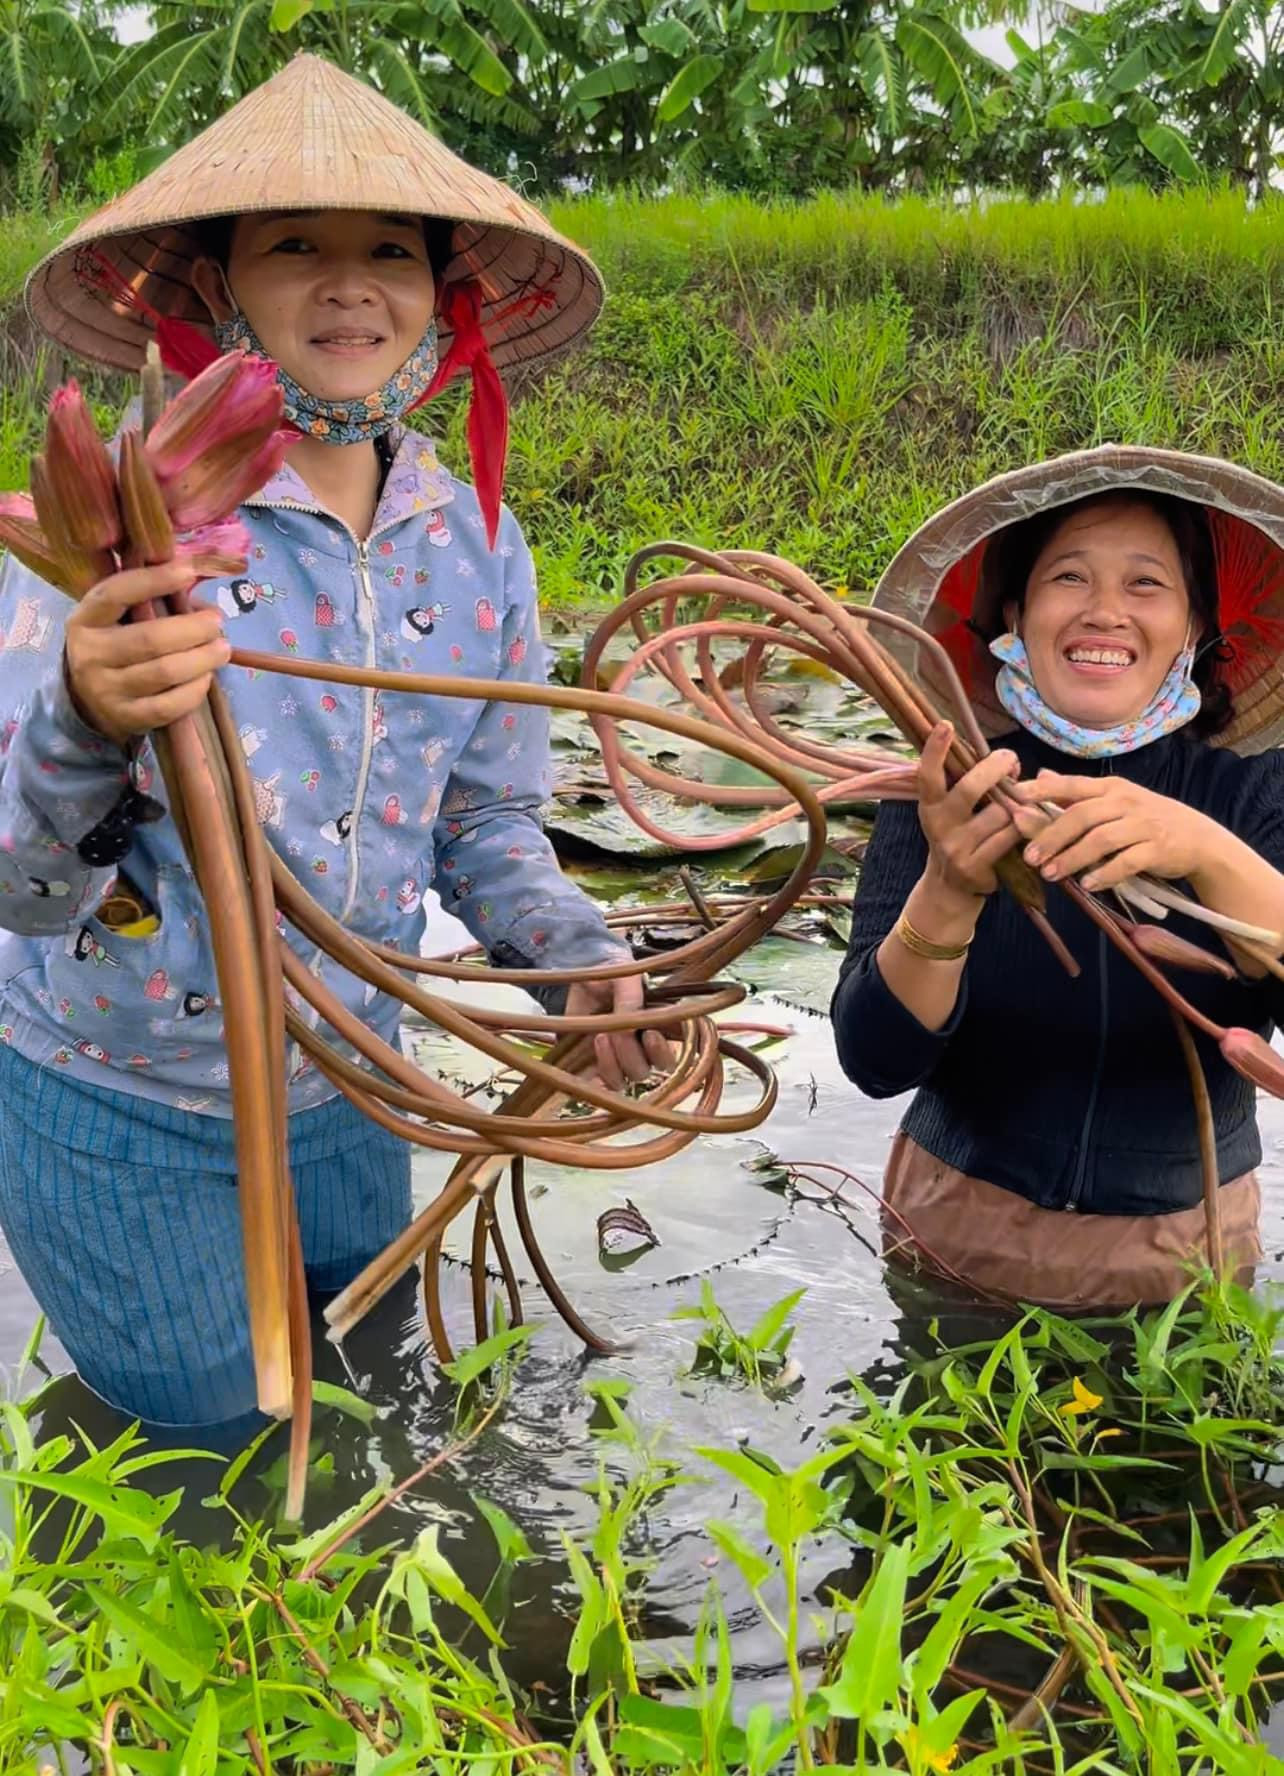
{"x":816,"y":378}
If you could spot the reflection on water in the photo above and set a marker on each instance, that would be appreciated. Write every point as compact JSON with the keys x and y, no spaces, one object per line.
{"x":714,"y":1214}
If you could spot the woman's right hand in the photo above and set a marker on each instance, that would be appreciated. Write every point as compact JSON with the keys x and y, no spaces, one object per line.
{"x":966,"y":835}
{"x":128,"y":678}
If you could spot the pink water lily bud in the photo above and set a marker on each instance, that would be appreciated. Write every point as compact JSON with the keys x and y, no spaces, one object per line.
{"x":70,"y":568}
{"x":213,"y":485}
{"x":81,"y":478}
{"x":147,"y":522}
{"x":237,"y":397}
{"x":1166,"y":946}
{"x":21,"y":534}
{"x":1254,"y":1059}
{"x":217,"y":549}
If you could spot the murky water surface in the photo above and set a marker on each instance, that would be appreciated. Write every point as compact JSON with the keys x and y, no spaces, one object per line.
{"x":716,"y":1215}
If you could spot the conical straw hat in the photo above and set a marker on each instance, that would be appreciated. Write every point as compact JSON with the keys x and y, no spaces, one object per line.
{"x":312,"y":138}
{"x":938,"y":578}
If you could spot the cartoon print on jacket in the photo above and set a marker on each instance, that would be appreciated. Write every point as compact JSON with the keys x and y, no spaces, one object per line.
{"x":422,"y":619}
{"x":366,"y":843}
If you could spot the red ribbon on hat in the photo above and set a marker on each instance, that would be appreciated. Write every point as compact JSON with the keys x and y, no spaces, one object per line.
{"x":460,"y":309}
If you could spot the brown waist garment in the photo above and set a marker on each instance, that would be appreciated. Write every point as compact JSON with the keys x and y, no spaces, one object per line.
{"x":1001,"y":1244}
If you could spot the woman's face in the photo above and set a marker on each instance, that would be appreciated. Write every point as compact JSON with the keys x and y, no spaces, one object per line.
{"x":1106,"y":613}
{"x":340,"y":298}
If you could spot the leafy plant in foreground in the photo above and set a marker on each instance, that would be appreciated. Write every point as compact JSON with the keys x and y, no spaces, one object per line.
{"x":1056,"y":1550}
{"x":759,"y":1356}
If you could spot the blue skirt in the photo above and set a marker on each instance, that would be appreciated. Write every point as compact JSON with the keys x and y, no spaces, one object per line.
{"x":123,"y":1217}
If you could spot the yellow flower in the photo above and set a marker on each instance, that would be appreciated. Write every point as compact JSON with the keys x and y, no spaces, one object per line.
{"x":1102,"y":1435}
{"x":842,"y":590}
{"x":923,"y":1756}
{"x":1083,"y":1400}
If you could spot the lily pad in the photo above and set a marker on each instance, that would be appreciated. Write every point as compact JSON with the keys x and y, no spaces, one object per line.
{"x":602,"y":827}
{"x":799,"y":973}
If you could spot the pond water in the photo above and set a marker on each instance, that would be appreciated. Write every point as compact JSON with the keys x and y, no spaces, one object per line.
{"x":715,"y":1214}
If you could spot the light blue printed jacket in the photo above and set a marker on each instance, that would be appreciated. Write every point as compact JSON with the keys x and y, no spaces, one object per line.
{"x":370,"y":798}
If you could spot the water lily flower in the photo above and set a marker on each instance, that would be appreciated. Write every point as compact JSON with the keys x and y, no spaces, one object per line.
{"x":72,"y":570}
{"x":1081,"y":1400}
{"x":219,"y":440}
{"x":213,"y":485}
{"x":1166,"y":946}
{"x":146,"y":518}
{"x":80,"y":475}
{"x":237,"y":396}
{"x":1254,"y":1059}
{"x":216,"y":548}
{"x":21,"y":534}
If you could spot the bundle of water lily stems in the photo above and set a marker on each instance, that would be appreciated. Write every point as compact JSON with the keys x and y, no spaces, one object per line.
{"x":175,"y":491}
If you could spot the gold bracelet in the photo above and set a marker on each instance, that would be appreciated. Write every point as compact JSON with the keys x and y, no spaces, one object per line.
{"x":918,"y":945}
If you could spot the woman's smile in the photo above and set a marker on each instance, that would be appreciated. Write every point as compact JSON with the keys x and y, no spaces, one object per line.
{"x":1106,"y":612}
{"x":1095,"y":659}
{"x":348,"y":342}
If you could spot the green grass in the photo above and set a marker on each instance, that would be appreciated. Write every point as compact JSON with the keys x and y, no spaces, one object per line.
{"x":816,"y":378}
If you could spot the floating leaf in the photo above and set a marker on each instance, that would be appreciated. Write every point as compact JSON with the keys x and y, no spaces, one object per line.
{"x":619,"y":1228}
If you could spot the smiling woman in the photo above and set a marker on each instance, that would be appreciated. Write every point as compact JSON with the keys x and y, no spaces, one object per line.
{"x":344,"y":302}
{"x":324,"y":231}
{"x":1121,"y":633}
{"x":1109,"y":612}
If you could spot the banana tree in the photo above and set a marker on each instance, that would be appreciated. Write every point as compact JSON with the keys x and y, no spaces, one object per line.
{"x":199,"y":58}
{"x":1230,"y":87}
{"x":51,"y":61}
{"x":1121,"y":64}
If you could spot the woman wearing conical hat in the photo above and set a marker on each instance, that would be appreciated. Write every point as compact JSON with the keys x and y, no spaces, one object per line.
{"x":318,"y":226}
{"x":1116,"y":617}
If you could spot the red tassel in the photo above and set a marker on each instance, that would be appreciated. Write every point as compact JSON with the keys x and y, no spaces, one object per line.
{"x":183,"y":348}
{"x":1250,"y":596}
{"x":960,"y":586}
{"x":488,"y":410}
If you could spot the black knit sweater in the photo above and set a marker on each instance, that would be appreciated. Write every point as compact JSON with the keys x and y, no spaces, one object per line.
{"x":1072,"y":1093}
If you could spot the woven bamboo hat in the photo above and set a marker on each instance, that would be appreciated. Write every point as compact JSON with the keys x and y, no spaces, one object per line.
{"x":939,"y":580}
{"x":311,"y":138}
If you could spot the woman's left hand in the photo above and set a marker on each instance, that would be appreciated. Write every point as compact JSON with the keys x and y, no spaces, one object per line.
{"x":1113,"y":829}
{"x":625,"y":1054}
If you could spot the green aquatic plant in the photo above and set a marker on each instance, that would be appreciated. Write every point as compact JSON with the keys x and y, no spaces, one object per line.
{"x":1059,"y":1549}
{"x":759,"y":1356}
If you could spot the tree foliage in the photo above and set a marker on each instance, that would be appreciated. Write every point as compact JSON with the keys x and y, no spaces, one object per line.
{"x":770,"y":96}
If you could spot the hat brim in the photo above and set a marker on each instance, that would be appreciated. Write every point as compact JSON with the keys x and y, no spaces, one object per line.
{"x":311,"y":138}
{"x":934,"y":576}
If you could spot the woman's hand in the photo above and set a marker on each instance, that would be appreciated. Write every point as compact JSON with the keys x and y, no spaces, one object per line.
{"x":128,"y":678}
{"x":625,"y":1054}
{"x":966,"y":835}
{"x":1115,"y":829}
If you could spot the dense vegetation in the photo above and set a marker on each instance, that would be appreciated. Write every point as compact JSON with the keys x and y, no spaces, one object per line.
{"x":1088,"y":1514}
{"x":817,"y":377}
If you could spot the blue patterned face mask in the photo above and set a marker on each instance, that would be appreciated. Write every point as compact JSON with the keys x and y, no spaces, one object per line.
{"x":343,"y":422}
{"x":1175,"y":703}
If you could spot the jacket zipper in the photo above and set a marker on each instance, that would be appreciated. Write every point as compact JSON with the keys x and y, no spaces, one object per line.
{"x":1099,"y":1065}
{"x":367,"y":740}
{"x":367,"y":606}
